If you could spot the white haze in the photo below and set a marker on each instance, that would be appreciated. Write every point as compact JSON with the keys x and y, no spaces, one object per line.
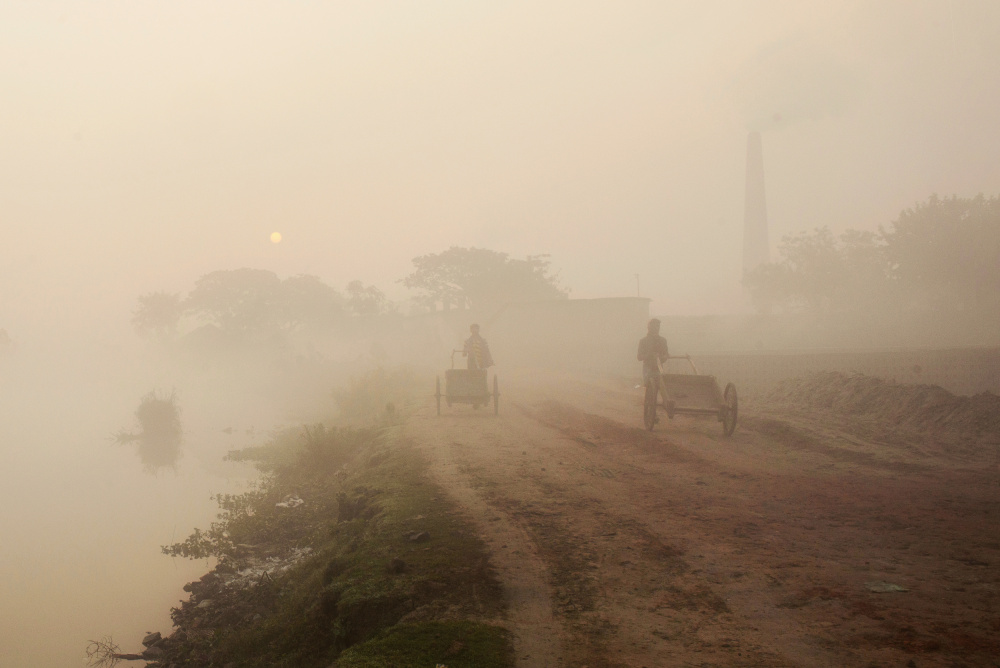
{"x":146,"y":144}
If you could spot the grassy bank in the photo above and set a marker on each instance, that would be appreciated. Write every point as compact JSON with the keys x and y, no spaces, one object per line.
{"x":345,"y":555}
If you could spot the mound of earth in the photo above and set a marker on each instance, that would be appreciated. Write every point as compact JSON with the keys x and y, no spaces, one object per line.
{"x":929,"y":410}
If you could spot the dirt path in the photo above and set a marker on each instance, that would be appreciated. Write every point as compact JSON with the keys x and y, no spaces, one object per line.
{"x":625,"y":548}
{"x":537,"y":633}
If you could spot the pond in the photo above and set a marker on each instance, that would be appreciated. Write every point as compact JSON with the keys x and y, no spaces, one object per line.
{"x":83,"y":518}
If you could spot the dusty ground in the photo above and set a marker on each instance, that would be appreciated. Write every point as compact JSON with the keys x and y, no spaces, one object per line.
{"x":620,"y":547}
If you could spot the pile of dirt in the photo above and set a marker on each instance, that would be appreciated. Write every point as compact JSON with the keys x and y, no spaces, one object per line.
{"x":928,"y":410}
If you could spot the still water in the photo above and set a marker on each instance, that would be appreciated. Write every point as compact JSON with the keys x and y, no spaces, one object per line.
{"x":81,"y":519}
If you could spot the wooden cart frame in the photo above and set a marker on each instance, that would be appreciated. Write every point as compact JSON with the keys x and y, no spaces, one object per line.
{"x":467,"y":386}
{"x":692,"y":394}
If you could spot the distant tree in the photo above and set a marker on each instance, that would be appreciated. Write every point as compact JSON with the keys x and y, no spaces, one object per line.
{"x":867,"y":278}
{"x":817,"y":268}
{"x":307,"y":302}
{"x":941,"y":255}
{"x":481,"y":278}
{"x":241,"y":302}
{"x":946,"y":252}
{"x":818,"y":272}
{"x":366,"y":300}
{"x":157,"y":315}
{"x":770,"y":284}
{"x":244,"y":304}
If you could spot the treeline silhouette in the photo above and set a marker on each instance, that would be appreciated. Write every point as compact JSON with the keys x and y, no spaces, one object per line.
{"x":255,"y":305}
{"x":939,"y":257}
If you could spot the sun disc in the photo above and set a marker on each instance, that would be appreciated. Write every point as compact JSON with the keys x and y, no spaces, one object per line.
{"x":275,"y":237}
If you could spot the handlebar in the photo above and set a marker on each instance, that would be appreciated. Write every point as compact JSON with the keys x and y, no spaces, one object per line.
{"x":679,"y":357}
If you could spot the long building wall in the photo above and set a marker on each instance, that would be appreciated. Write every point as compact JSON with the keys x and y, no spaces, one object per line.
{"x":602,"y":334}
{"x":587,"y":334}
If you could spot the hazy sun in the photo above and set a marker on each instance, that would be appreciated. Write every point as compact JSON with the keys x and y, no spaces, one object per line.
{"x":276,"y":237}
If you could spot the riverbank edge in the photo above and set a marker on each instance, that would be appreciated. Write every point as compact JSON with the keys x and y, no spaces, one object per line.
{"x":346,"y":555}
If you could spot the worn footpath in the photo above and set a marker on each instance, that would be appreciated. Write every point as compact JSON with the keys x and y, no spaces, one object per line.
{"x":797,"y":542}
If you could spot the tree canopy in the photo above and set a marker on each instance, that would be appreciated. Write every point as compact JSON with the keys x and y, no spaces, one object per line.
{"x":240,"y":301}
{"x":944,"y":254}
{"x":244,"y":304}
{"x":366,"y":300}
{"x":157,"y":315}
{"x":306,"y":302}
{"x":819,"y":271}
{"x":481,"y":278}
{"x":947,"y":251}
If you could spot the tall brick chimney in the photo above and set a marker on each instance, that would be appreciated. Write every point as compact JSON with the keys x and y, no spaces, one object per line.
{"x":756,"y":249}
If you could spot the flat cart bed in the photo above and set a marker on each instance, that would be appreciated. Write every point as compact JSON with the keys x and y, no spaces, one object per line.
{"x":696,"y":394}
{"x":467,"y":386}
{"x":687,"y":393}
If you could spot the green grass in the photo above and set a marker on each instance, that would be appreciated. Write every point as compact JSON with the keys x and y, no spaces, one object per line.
{"x":460,"y":644}
{"x":367,"y":594}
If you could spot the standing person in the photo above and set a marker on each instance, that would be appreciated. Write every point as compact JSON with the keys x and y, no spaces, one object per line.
{"x":477,"y":350}
{"x":652,"y":352}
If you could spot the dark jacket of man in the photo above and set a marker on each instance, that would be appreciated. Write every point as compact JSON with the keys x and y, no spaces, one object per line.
{"x":478,"y":352}
{"x":651,"y":347}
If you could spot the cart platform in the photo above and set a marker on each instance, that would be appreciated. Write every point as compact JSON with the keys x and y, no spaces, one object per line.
{"x":466,"y":386}
{"x":691,"y":393}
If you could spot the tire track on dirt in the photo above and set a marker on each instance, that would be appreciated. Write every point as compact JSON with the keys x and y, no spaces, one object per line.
{"x":679,"y":547}
{"x":537,"y":633}
{"x":629,"y":594}
{"x":691,"y":594}
{"x":845,"y":529}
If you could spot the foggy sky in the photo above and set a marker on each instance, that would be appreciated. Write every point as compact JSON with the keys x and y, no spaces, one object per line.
{"x":145,"y":144}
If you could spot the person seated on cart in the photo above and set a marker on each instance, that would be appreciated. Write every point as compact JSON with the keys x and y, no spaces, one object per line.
{"x":477,"y":350}
{"x":652,"y":353}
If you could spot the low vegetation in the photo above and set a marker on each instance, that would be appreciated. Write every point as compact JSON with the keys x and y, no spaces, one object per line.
{"x":345,"y":554}
{"x":375,"y":396}
{"x":159,"y":434}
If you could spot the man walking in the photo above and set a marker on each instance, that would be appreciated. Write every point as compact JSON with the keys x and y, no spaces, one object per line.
{"x":477,"y":350}
{"x":652,"y":353}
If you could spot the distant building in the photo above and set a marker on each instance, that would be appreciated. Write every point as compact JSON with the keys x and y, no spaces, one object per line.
{"x":578,"y":334}
{"x":583,"y":334}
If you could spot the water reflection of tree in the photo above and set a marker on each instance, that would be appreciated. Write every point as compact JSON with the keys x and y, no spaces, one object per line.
{"x":158,"y":438}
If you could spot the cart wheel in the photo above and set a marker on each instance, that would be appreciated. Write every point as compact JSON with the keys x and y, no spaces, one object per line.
{"x":729,"y":410}
{"x":649,"y":406}
{"x":437,"y":393}
{"x":496,"y":396}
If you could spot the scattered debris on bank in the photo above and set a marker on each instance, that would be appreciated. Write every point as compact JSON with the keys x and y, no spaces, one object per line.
{"x":345,"y":555}
{"x":928,"y":411}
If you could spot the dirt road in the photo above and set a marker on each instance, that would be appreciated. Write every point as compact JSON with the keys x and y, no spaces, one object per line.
{"x":793,"y":543}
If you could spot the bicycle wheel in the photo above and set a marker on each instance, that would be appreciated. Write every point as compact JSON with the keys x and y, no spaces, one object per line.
{"x":729,"y":410}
